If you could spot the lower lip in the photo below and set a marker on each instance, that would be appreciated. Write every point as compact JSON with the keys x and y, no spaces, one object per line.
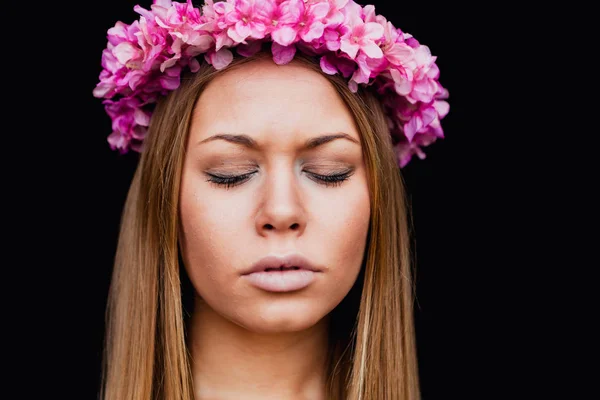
{"x":282,"y":281}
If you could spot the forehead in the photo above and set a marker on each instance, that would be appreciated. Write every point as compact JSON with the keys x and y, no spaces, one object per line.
{"x":271,"y":102}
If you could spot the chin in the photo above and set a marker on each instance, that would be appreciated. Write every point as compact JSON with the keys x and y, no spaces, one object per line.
{"x":276,"y":317}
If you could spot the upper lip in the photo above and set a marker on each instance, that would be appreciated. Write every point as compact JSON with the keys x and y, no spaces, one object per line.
{"x":274,"y":261}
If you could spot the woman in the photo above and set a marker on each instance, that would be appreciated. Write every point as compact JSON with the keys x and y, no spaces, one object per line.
{"x":264,"y":247}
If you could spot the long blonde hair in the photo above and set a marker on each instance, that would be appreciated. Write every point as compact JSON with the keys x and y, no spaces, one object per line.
{"x":372,"y":352}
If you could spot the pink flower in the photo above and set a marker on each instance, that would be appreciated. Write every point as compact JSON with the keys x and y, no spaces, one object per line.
{"x":333,"y":26}
{"x":428,"y":116}
{"x":127,"y":60}
{"x":182,"y":23}
{"x":186,"y":25}
{"x":215,"y":22}
{"x":249,"y":48}
{"x":125,"y":48}
{"x":425,"y":76}
{"x":334,"y":16}
{"x":405,"y":150}
{"x":362,"y":36}
{"x":271,"y":13}
{"x":129,"y":123}
{"x":219,"y":59}
{"x":294,"y":19}
{"x":331,"y":64}
{"x":246,"y":21}
{"x":418,"y":117}
{"x":282,"y":54}
{"x":402,"y":80}
{"x":215,"y":15}
{"x":152,"y":39}
{"x":177,"y":16}
{"x":395,"y":50}
{"x":145,"y":60}
{"x":163,"y":3}
{"x":362,"y":74}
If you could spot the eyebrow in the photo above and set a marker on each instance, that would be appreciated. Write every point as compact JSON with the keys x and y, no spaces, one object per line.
{"x":250,"y":143}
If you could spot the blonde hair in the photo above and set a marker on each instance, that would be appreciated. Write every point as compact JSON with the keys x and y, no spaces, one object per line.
{"x":372,"y":352}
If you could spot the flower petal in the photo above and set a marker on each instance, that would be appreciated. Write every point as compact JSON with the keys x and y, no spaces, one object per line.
{"x":194,"y":64}
{"x":282,"y":54}
{"x":319,"y":10}
{"x":221,"y":58}
{"x":284,"y":35}
{"x":126,"y":51}
{"x":402,"y":85}
{"x":102,"y":89}
{"x":399,"y":54}
{"x":315,"y":32}
{"x":349,"y":48}
{"x":202,"y":43}
{"x":141,"y":117}
{"x":372,"y":50}
{"x":412,"y":126}
{"x":373,"y":31}
{"x":249,"y":48}
{"x":118,"y":142}
{"x":442,"y":107}
{"x":327,"y":66}
{"x":291,"y":11}
{"x":169,"y":82}
{"x":428,"y":115}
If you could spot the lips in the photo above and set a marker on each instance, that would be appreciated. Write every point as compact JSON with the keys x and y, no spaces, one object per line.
{"x":282,"y":273}
{"x":294,"y":261}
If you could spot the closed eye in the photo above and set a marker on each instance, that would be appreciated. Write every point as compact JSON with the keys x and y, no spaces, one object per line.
{"x":228,"y":181}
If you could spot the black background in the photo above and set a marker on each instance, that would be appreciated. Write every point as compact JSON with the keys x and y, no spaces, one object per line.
{"x":456,"y":194}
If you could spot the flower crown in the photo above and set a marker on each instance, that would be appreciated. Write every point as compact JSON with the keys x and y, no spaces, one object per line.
{"x":145,"y":60}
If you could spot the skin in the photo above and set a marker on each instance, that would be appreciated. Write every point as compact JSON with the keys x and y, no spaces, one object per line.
{"x":246,"y":342}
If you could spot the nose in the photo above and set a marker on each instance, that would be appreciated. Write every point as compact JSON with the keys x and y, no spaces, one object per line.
{"x":281,"y":210}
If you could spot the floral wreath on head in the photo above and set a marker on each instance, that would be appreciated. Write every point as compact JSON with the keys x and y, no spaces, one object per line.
{"x":145,"y":60}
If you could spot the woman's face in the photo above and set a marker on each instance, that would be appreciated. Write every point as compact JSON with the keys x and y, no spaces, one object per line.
{"x":278,"y":206}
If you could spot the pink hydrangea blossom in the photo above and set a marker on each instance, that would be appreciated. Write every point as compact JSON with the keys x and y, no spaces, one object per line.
{"x":425,"y":76}
{"x":405,"y":150}
{"x":394,"y":49}
{"x":362,"y":36}
{"x":129,"y":123}
{"x":145,"y":60}
{"x":299,"y":20}
{"x":245,"y":20}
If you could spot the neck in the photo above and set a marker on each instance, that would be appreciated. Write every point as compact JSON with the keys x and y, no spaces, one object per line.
{"x":231,"y":362}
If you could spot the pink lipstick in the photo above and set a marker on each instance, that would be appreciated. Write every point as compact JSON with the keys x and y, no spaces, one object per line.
{"x":282,"y":274}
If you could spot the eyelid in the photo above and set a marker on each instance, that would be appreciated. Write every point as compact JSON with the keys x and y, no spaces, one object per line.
{"x":221,"y":175}
{"x":341,"y":170}
{"x":239,"y":175}
{"x":230,"y":174}
{"x":328,"y":180}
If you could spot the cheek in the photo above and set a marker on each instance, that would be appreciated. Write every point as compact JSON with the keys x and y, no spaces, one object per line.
{"x":342,"y":234}
{"x":209,"y":235}
{"x":210,"y":218}
{"x":346,"y":219}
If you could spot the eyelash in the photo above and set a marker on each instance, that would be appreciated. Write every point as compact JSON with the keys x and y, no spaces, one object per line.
{"x":231,"y":181}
